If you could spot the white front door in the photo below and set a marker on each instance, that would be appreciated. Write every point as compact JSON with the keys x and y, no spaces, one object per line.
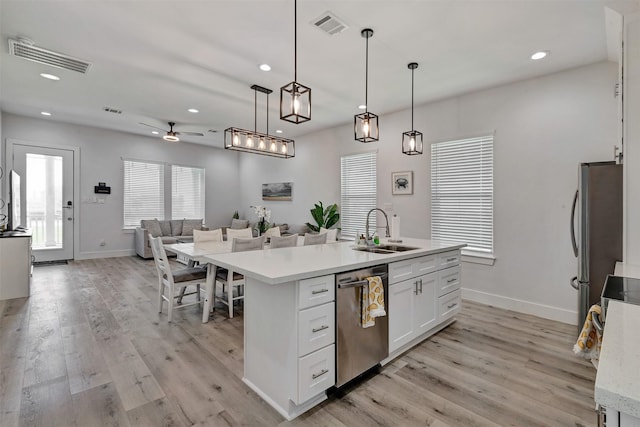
{"x":46,"y":176}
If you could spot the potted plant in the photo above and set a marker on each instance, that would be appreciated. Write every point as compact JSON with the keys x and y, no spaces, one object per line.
{"x":324,"y":217}
{"x":264,"y":215}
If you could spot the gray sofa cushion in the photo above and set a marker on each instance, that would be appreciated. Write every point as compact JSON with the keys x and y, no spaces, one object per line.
{"x":237,"y":224}
{"x":176,"y":227}
{"x":165,"y":226}
{"x":152,"y":226}
{"x":168,"y":240}
{"x":188,"y":225}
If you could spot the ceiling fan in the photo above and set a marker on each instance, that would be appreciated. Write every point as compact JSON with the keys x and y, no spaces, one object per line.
{"x":171,"y":135}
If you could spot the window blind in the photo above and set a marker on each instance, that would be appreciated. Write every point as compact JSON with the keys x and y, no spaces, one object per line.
{"x":187,"y":192}
{"x":462,"y":192}
{"x":143,"y":192}
{"x":358,"y":192}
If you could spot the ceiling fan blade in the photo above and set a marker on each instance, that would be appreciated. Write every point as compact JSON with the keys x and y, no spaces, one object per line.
{"x":155,"y":127}
{"x":190,"y":133}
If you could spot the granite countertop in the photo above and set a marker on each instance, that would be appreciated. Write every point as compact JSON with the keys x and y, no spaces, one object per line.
{"x":618,"y":377}
{"x":282,"y":265}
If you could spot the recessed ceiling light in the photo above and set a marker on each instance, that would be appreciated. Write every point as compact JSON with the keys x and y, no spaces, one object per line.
{"x":155,"y":132}
{"x":49,"y":76}
{"x":278,"y":131}
{"x":45,"y":113}
{"x":265,"y":67}
{"x":540,"y":55}
{"x":193,"y":110}
{"x":362,"y":107}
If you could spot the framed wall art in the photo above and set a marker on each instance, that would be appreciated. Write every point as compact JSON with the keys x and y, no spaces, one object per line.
{"x":402,"y":182}
{"x":280,"y":191}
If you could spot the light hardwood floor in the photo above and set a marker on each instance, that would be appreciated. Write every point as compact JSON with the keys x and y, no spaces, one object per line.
{"x":88,"y":349}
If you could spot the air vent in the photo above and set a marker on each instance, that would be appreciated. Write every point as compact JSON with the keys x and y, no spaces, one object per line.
{"x":212,"y":131}
{"x":25,"y":49}
{"x":329,"y":23}
{"x":112,"y":110}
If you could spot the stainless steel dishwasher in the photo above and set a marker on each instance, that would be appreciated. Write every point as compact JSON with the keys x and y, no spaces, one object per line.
{"x":358,"y":349}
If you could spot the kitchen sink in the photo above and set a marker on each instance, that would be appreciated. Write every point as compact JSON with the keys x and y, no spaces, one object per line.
{"x":384,"y":249}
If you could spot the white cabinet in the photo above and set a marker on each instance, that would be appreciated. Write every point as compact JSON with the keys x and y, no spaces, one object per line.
{"x":419,"y":303}
{"x":15,"y":265}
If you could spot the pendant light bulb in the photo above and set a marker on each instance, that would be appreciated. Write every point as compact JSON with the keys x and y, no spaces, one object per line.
{"x":261,"y":144}
{"x":412,"y":143}
{"x":236,"y":140}
{"x":284,"y":148}
{"x":296,"y":103}
{"x":249,"y":141}
{"x":365,"y":127}
{"x":273,"y":146}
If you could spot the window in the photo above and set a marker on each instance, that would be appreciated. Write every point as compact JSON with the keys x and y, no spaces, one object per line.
{"x":462,"y":192}
{"x":145,"y":196}
{"x":187,"y":192}
{"x":358,"y":192}
{"x":143,"y":192}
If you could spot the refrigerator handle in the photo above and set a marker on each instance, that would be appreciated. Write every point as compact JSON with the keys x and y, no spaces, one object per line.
{"x":574,"y":282}
{"x":573,"y":230}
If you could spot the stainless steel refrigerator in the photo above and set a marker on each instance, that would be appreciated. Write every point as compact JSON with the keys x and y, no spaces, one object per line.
{"x":596,"y":230}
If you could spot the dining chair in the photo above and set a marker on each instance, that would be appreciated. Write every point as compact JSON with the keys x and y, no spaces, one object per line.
{"x":169,"y":280}
{"x":314,"y":239}
{"x":284,"y":242}
{"x":200,"y":236}
{"x":232,"y":281}
{"x":244,"y":233}
{"x":273,"y":231}
{"x":332,"y":234}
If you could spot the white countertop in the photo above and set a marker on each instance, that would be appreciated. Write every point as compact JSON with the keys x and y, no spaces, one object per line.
{"x":282,"y":265}
{"x":618,"y":377}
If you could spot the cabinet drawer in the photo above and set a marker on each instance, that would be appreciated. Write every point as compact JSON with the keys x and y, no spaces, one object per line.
{"x":448,"y":280}
{"x":448,"y":259}
{"x":316,"y":373}
{"x":316,"y":291}
{"x":316,"y":328}
{"x":409,"y":268}
{"x":449,"y":305}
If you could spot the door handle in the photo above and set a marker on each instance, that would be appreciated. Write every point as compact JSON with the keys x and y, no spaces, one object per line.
{"x":416,"y":287}
{"x":574,"y":282}
{"x":573,"y":230}
{"x":420,"y":281}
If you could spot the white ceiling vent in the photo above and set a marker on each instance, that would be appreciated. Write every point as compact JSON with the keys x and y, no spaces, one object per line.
{"x":25,"y":49}
{"x":329,"y":23}
{"x":112,"y":110}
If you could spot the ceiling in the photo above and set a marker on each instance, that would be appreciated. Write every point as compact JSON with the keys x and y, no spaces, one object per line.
{"x":155,"y":59}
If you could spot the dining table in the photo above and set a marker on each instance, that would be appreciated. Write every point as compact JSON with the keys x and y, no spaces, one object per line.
{"x":198,"y":253}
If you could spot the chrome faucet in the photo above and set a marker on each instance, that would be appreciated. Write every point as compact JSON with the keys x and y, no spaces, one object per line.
{"x":369,"y":238}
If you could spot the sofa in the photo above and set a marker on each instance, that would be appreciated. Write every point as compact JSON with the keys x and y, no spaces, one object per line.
{"x":170,"y":231}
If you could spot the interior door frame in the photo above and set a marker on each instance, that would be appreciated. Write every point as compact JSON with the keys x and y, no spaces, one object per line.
{"x":10,"y":142}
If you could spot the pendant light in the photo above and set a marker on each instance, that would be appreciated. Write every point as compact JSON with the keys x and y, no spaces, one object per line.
{"x":365,"y":125}
{"x":412,"y":140}
{"x":295,"y":98}
{"x":255,"y":142}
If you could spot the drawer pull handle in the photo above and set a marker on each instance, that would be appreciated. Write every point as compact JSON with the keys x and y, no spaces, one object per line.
{"x":321,"y":291}
{"x":314,"y":376}
{"x":321,"y":328}
{"x":451,"y":259}
{"x":451,"y":280}
{"x":449,"y":307}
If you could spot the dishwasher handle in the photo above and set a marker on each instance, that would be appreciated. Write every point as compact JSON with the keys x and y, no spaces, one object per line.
{"x":358,"y":283}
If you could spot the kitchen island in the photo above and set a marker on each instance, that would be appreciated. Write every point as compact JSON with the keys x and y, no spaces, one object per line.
{"x":289,"y":311}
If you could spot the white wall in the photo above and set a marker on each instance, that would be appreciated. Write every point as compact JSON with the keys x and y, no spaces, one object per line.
{"x":543,"y":128}
{"x":101,"y":153}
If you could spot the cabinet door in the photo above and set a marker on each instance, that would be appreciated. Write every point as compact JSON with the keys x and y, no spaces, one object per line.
{"x":425,"y":303}
{"x":401,"y":306}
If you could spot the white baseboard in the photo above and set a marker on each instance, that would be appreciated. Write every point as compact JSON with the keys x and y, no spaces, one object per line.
{"x":105,"y":254}
{"x":526,"y":307}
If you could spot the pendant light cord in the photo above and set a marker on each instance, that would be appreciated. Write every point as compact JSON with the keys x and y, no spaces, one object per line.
{"x":412,"y":128}
{"x":295,"y":42}
{"x":366,"y":77}
{"x":267,"y":114}
{"x":255,"y":110}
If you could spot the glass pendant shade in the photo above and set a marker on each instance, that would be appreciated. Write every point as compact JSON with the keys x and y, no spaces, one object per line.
{"x":412,"y":142}
{"x":252,"y":141}
{"x":295,"y":103}
{"x":365,"y":127}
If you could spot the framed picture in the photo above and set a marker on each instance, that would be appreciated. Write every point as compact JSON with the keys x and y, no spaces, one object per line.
{"x":402,"y":182}
{"x":280,"y":191}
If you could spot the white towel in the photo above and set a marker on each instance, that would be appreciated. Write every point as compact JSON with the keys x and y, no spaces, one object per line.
{"x":590,"y":341}
{"x":371,"y":301}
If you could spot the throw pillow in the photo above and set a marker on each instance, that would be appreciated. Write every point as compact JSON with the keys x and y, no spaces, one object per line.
{"x":188,"y":225}
{"x":165,"y":226}
{"x":237,"y":224}
{"x":152,"y":226}
{"x":283,"y":228}
{"x":176,"y":227}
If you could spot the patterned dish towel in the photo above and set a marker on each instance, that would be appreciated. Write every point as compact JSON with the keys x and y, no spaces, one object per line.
{"x":590,"y":340}
{"x":371,"y":301}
